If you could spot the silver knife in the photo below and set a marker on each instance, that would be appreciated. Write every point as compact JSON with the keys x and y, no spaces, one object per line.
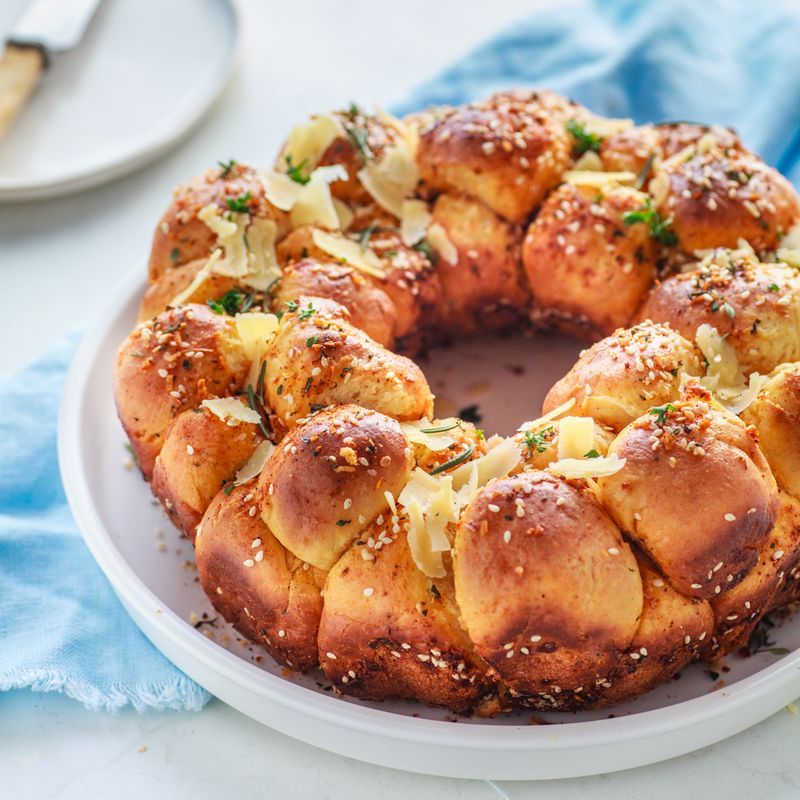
{"x":46,"y":28}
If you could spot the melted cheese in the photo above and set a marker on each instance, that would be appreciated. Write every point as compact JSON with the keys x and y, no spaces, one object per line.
{"x":724,"y":377}
{"x":575,"y":437}
{"x":349,"y":252}
{"x":587,"y":467}
{"x":428,"y":560}
{"x":255,"y":463}
{"x":440,"y":242}
{"x":231,"y":411}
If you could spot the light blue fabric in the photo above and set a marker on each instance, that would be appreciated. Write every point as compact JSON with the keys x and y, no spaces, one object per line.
{"x":736,"y":63}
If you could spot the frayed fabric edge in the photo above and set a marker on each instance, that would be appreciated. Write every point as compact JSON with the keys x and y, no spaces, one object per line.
{"x":177,"y":694}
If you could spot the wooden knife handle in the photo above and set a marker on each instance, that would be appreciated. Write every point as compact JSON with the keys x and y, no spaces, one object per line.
{"x":20,"y":70}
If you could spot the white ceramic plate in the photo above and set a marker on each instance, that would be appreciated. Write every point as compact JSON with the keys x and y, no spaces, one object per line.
{"x":507,"y":379}
{"x":143,"y":75}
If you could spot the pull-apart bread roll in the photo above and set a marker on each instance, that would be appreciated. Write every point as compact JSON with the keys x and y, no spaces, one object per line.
{"x":704,"y":542}
{"x":622,"y":376}
{"x":318,"y":357}
{"x":588,"y":268}
{"x":169,"y":365}
{"x":754,"y":306}
{"x":650,"y":517}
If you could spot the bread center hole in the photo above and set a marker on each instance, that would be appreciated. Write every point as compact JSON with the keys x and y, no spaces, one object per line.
{"x":497,"y":381}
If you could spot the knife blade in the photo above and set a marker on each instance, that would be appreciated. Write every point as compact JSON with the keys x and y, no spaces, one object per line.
{"x":47,"y":27}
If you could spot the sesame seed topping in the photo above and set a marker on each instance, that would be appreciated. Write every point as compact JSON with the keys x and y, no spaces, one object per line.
{"x":368,"y":591}
{"x":248,"y":562}
{"x":730,"y":518}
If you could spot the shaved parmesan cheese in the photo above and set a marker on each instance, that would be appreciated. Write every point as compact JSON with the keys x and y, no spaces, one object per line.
{"x":344,"y":213}
{"x":600,"y":179}
{"x":724,"y":377}
{"x":390,"y":179}
{"x":231,"y":411}
{"x":428,"y":561}
{"x":575,"y":437}
{"x":440,"y":242}
{"x":314,"y":205}
{"x":245,"y":247}
{"x":280,"y":189}
{"x":255,"y":329}
{"x":792,"y":238}
{"x":687,"y":153}
{"x":497,"y":463}
{"x":350,"y":252}
{"x":197,"y":281}
{"x":308,"y":141}
{"x":255,"y":463}
{"x":588,"y":161}
{"x":607,"y":126}
{"x":706,"y":143}
{"x":548,"y":417}
{"x":587,"y":467}
{"x":433,"y":441}
{"x":414,"y":221}
{"x":790,"y":256}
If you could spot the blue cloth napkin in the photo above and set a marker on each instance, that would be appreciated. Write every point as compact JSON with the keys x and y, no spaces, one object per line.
{"x":736,"y":63}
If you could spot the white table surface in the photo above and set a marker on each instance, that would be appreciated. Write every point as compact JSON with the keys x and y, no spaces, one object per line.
{"x":58,"y":261}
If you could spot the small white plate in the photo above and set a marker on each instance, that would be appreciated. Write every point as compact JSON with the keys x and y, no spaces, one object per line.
{"x":143,"y":75}
{"x":507,"y":380}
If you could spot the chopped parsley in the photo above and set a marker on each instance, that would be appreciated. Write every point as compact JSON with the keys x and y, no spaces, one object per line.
{"x":291,"y":305}
{"x":584,"y":141}
{"x":660,"y":412}
{"x":226,"y":167}
{"x":358,"y":139}
{"x":366,"y":234}
{"x":773,"y":287}
{"x":231,"y":303}
{"x":342,"y":522}
{"x":538,"y":441}
{"x":309,"y":384}
{"x":229,"y":487}
{"x":659,"y":228}
{"x":174,"y":254}
{"x":295,"y":171}
{"x":240,"y":204}
{"x":311,"y":341}
{"x":592,"y":454}
{"x":306,"y":313}
{"x":425,"y":248}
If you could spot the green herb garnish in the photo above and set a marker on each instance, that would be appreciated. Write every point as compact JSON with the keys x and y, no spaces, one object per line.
{"x":442,"y":428}
{"x":231,"y":303}
{"x":538,"y":441}
{"x":660,"y":412}
{"x":226,"y":167}
{"x":295,"y":171}
{"x":311,"y":341}
{"x":425,"y":248}
{"x":174,"y":254}
{"x":659,"y":228}
{"x":584,"y":141}
{"x":306,"y":313}
{"x":592,"y":454}
{"x":773,"y":287}
{"x":240,"y":204}
{"x":342,"y":522}
{"x":454,"y":462}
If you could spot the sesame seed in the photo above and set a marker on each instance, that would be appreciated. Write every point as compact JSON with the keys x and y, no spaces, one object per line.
{"x":687,"y":639}
{"x":613,"y":551}
{"x":536,"y":638}
{"x":331,"y":656}
{"x":163,"y":373}
{"x":190,"y":449}
{"x":252,"y":511}
{"x":778,"y":554}
{"x":507,"y":537}
{"x":368,"y":591}
{"x":260,"y":555}
{"x":493,"y":508}
{"x":248,"y":562}
{"x":697,"y":586}
{"x":730,"y":518}
{"x":347,"y":503}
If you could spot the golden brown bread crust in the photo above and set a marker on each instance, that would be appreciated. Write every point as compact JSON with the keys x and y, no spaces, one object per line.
{"x":371,"y":309}
{"x":272,"y":598}
{"x":485,"y":288}
{"x":507,"y":151}
{"x":657,"y":500}
{"x":775,"y":413}
{"x":585,"y":265}
{"x":718,"y":197}
{"x":738,"y":611}
{"x":388,"y":631}
{"x":550,"y":602}
{"x":169,"y":365}
{"x":180,"y":237}
{"x":200,"y":454}
{"x":329,"y":478}
{"x":548,"y":589}
{"x":755,"y":306}
{"x":318,"y":358}
{"x":622,"y":376}
{"x":164,"y":289}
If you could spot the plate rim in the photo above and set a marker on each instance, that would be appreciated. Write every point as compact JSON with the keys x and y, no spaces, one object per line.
{"x":364,"y":719}
{"x":113,"y":167}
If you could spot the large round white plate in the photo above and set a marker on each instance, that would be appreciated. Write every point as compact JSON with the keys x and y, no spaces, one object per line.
{"x":506,"y":379}
{"x":141,"y":78}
